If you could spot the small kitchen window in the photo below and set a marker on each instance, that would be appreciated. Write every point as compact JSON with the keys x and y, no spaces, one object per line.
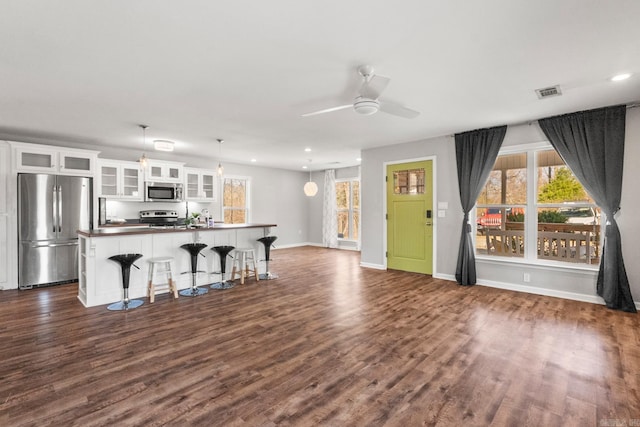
{"x":235,"y":198}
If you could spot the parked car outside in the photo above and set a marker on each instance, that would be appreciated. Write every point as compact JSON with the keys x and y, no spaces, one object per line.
{"x":581,"y":215}
{"x":491,"y":218}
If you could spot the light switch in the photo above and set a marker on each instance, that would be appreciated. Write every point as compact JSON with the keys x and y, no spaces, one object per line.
{"x":443,"y":205}
{"x":442,"y":213}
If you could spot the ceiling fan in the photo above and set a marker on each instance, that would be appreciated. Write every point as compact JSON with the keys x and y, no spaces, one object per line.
{"x":367,"y":102}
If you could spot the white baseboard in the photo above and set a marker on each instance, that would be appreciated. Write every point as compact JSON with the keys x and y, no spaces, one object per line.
{"x":293,"y":245}
{"x":450,"y":277}
{"x":374,"y":266}
{"x":594,"y":299}
{"x":542,"y":291}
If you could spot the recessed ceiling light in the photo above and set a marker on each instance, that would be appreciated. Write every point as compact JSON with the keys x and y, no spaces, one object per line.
{"x":163,"y":145}
{"x":620,"y":77}
{"x":307,"y":149}
{"x":358,"y":159}
{"x":253,"y":160}
{"x":304,"y":167}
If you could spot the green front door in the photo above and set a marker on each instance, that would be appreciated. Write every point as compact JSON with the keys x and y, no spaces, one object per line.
{"x":410,"y":217}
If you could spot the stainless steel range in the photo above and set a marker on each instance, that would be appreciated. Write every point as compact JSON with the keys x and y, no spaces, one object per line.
{"x":159,"y":218}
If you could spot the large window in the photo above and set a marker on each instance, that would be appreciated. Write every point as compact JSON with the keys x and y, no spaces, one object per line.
{"x":533,"y":207}
{"x":236,"y":200}
{"x":348,"y":203}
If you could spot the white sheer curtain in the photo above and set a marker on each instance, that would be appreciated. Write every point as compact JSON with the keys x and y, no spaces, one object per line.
{"x":330,"y":211}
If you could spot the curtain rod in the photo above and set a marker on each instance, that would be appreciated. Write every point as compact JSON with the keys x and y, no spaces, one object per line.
{"x":634,"y":104}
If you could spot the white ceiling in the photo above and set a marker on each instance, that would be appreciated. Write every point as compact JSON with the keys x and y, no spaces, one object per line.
{"x":245,"y":71}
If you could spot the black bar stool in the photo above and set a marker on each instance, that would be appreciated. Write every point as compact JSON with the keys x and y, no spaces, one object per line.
{"x":223,"y":251}
{"x":267,"y":241}
{"x":194,"y":250}
{"x":125,"y":261}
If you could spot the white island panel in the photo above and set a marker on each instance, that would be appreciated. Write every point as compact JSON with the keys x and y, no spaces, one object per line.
{"x":101,"y":279}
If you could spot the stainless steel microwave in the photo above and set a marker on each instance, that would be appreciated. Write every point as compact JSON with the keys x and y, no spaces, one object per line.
{"x":163,"y":192}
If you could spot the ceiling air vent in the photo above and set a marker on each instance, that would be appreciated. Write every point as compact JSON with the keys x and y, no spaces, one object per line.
{"x":548,"y":92}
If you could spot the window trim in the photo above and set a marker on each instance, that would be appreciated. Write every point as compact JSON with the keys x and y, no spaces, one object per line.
{"x":247,"y":207}
{"x":530,"y":226}
{"x":351,"y":209}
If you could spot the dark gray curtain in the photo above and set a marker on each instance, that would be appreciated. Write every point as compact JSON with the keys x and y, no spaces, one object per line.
{"x":592,"y":144}
{"x":476,"y":153}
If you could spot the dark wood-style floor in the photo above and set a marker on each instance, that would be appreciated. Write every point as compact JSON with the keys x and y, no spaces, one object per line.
{"x":328,"y":344}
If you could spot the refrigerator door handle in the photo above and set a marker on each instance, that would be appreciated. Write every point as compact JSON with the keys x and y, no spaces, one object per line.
{"x":53,"y":207}
{"x":60,"y":209}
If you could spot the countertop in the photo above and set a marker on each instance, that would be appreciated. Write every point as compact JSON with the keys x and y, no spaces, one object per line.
{"x":129,"y":230}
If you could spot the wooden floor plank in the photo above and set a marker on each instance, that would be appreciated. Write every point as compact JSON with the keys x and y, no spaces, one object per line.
{"x":328,"y":343}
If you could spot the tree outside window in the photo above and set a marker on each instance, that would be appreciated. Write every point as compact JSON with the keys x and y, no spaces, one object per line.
{"x":348,"y":204}
{"x":235,"y":195}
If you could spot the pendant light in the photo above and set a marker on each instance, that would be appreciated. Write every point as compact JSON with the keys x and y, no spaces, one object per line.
{"x":220,"y":169}
{"x":310,"y":188}
{"x":143,"y":159}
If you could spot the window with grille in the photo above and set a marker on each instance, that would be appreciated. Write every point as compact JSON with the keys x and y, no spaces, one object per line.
{"x":235,"y":200}
{"x":348,"y":203}
{"x":533,"y":207}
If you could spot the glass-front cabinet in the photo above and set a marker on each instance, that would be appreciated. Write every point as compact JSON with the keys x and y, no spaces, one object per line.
{"x":165,"y":171}
{"x":55,"y":160}
{"x":120,"y":180}
{"x":200,"y":185}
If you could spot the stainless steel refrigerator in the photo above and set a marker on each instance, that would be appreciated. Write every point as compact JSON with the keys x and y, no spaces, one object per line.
{"x":51,"y":208}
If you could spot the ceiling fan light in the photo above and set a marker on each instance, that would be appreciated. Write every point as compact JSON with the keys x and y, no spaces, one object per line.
{"x":366,"y":106}
{"x":310,"y":189}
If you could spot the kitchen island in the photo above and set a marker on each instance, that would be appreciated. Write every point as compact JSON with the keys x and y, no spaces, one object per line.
{"x":100,"y":279}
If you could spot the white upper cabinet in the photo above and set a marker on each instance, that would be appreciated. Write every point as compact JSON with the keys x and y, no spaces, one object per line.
{"x":200,"y":185}
{"x":164,"y":171}
{"x":53,"y":160}
{"x":120,"y":180}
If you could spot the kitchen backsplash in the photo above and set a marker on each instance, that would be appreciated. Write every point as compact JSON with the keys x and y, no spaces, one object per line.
{"x":117,"y":209}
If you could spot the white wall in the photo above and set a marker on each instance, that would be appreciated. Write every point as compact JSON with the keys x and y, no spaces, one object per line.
{"x":564,"y":282}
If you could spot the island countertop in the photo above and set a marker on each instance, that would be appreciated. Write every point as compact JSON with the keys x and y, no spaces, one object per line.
{"x":128,"y":231}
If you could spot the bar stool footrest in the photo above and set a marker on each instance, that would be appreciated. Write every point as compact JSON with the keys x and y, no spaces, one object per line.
{"x":121,"y":305}
{"x":227,"y":284}
{"x":193,"y":292}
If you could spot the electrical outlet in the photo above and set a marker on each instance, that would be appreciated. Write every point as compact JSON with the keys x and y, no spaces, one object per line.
{"x":526,"y":277}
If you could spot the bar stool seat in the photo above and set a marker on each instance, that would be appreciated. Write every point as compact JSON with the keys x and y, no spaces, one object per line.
{"x":125,"y":261}
{"x":194,"y":250}
{"x":267,"y":241}
{"x":160,"y":266}
{"x":223,"y":252}
{"x":241,"y":264}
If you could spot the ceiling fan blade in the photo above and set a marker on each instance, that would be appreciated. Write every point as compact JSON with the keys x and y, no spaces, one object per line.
{"x":328,"y":110}
{"x":374,"y":86}
{"x":398,"y":110}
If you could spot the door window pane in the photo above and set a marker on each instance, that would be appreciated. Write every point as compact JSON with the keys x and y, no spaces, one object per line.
{"x":408,"y":181}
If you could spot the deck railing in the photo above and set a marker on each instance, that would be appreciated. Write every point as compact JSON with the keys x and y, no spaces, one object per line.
{"x":577,"y":243}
